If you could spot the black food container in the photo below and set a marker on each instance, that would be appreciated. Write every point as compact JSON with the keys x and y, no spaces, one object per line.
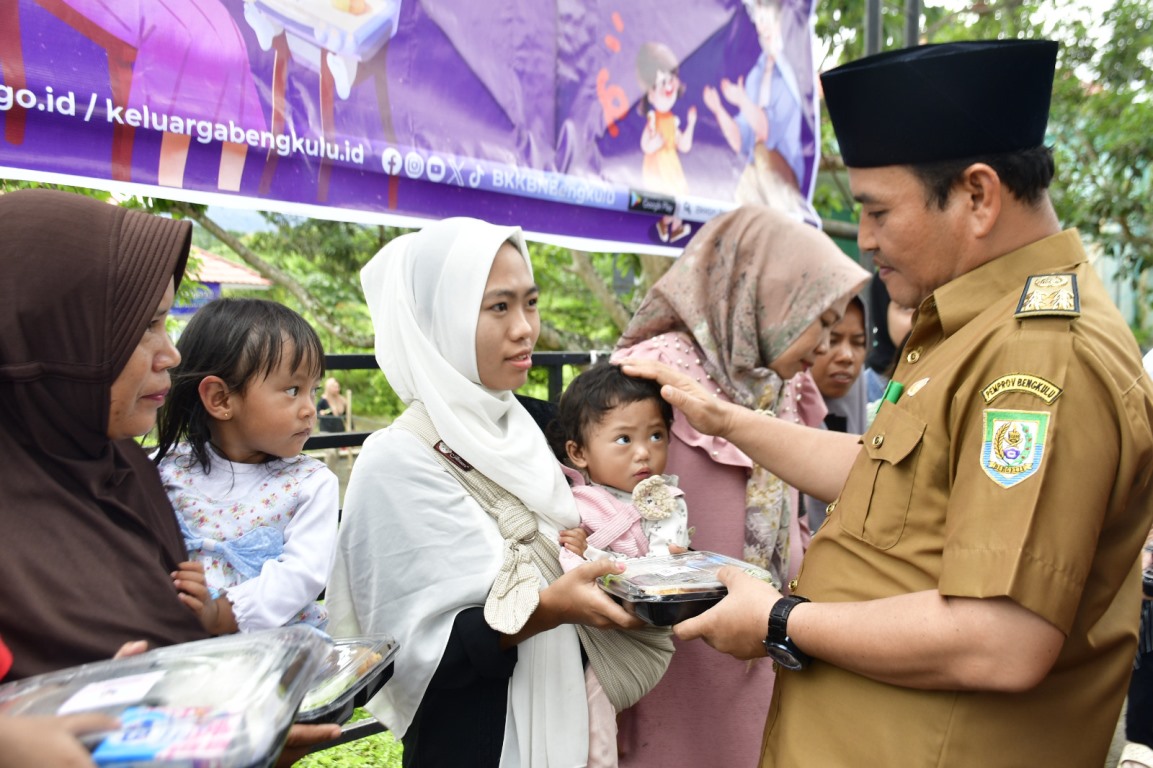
{"x":668,"y":590}
{"x":355,"y":669}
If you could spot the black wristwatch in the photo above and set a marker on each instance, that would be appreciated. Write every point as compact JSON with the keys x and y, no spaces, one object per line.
{"x":777,"y":644}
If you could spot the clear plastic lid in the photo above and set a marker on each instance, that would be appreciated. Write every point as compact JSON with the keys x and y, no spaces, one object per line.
{"x":225,"y":702}
{"x":352,"y":665}
{"x":674,"y":578}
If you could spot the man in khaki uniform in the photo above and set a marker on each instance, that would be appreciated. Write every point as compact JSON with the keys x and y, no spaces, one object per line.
{"x":975,"y":591}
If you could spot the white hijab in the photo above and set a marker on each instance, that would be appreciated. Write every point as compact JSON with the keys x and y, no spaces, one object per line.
{"x":424,"y":292}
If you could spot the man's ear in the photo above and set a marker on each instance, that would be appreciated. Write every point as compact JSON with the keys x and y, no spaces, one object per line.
{"x":216,"y":397}
{"x":576,"y":454}
{"x":983,"y":197}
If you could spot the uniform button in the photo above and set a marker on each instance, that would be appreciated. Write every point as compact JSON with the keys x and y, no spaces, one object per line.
{"x":877,"y":440}
{"x":914,"y":356}
{"x":829,"y":509}
{"x":793,"y":585}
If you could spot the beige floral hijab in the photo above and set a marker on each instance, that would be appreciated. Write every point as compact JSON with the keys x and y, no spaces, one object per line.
{"x":745,"y":288}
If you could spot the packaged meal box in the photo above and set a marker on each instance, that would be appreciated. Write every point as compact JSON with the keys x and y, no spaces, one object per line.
{"x":225,"y":702}
{"x":351,"y":674}
{"x":667,"y":590}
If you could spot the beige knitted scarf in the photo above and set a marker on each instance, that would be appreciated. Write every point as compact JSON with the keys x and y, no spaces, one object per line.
{"x":627,"y":663}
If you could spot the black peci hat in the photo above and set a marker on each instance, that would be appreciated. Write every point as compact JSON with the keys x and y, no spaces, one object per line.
{"x":941,"y":102}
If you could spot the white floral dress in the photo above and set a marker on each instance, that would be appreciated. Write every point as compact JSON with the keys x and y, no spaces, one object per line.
{"x":266,"y":533}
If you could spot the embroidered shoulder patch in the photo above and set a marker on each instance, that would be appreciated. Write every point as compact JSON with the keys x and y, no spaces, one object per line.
{"x":1050,"y":295}
{"x":1014,"y":445}
{"x":1022,"y":382}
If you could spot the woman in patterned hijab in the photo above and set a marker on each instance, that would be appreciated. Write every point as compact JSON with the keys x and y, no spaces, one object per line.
{"x":743,"y":310}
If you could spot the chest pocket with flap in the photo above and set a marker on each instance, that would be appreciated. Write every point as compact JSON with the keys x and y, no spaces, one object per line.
{"x":875,"y":502}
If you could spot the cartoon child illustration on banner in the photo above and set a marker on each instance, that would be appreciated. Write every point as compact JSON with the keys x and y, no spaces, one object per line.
{"x":767,"y":127}
{"x":663,"y":138}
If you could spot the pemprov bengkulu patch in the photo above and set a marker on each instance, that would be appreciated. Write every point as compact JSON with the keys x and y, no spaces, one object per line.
{"x":1014,"y":445}
{"x":1022,"y":382}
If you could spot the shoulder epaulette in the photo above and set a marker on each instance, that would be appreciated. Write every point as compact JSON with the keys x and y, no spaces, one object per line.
{"x":1050,"y":296}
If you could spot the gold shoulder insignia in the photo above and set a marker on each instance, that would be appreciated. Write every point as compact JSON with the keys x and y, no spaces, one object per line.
{"x":1050,"y":295}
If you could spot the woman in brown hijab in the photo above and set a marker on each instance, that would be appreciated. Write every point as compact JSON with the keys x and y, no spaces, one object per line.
{"x":88,"y":539}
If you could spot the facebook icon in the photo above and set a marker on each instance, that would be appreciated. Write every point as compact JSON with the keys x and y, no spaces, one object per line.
{"x":390,"y":161}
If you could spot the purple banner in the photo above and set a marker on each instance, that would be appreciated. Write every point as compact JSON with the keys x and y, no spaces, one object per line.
{"x":614,"y":126}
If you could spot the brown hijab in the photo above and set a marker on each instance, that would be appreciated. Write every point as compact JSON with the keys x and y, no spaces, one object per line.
{"x":87,"y":535}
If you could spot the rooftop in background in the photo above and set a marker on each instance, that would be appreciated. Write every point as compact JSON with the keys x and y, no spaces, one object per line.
{"x":216,"y":270}
{"x":213,"y":274}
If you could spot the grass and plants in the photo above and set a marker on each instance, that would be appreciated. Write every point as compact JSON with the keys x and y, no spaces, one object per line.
{"x":379,"y":751}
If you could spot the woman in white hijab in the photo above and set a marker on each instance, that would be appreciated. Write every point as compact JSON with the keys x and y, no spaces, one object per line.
{"x":452,"y":517}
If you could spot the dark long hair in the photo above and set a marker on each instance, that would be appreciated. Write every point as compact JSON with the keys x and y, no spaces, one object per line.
{"x":237,"y":340}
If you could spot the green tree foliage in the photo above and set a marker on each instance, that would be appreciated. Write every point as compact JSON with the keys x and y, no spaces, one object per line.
{"x":315,"y":268}
{"x":1100,"y":127}
{"x":1100,"y":112}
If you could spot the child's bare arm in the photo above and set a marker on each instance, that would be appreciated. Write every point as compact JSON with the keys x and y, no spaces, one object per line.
{"x":215,"y":614}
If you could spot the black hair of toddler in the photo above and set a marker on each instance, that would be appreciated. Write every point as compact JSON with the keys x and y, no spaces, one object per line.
{"x":592,"y":394}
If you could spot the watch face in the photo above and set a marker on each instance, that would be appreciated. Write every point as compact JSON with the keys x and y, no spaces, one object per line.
{"x":784,"y":656}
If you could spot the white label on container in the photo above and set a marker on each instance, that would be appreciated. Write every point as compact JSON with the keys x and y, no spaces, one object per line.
{"x":111,"y":693}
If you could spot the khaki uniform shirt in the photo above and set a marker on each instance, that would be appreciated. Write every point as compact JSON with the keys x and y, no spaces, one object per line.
{"x":1016,"y":463}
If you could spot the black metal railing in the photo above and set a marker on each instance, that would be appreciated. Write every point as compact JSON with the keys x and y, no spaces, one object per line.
{"x":553,"y":362}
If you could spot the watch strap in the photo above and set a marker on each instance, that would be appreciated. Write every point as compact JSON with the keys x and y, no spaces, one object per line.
{"x":779,"y":618}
